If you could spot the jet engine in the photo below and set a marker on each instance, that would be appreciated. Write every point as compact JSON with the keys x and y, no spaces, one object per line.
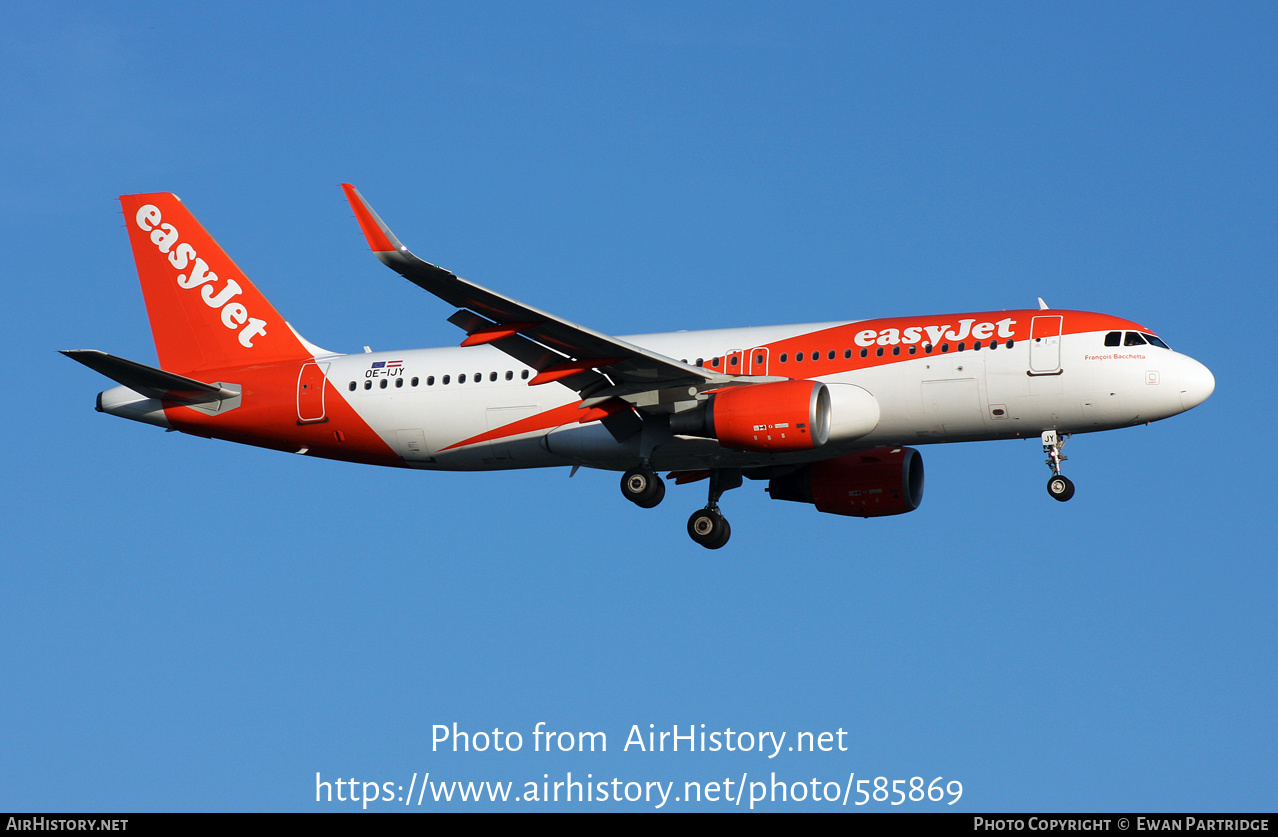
{"x":781,"y":416}
{"x":871,"y":483}
{"x":778,"y":416}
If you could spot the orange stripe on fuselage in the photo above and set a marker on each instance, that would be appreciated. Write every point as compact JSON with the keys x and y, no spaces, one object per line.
{"x":892,"y":332}
{"x":548,"y":420}
{"x":267,"y":417}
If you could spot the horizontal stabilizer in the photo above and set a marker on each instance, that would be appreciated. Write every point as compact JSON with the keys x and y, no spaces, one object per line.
{"x":149,"y":381}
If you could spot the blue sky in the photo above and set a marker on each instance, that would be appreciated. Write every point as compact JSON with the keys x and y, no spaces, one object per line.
{"x":192,"y":625}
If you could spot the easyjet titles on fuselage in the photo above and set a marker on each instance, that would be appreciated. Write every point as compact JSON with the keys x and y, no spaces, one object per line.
{"x":935,"y":334}
{"x":234,"y":314}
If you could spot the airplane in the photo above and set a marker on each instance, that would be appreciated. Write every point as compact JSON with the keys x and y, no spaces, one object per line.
{"x":823,"y":412}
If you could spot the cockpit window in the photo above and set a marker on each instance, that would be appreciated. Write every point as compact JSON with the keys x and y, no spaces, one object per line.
{"x":1134,"y":339}
{"x":1154,"y":340}
{"x":1114,"y":338}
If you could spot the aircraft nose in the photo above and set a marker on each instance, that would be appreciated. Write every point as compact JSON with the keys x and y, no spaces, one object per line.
{"x":1196,"y":383}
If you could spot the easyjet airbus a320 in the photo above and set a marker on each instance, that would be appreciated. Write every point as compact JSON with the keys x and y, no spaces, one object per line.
{"x":823,"y":411}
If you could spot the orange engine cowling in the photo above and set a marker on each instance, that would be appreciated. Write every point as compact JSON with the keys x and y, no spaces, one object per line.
{"x":872,"y":483}
{"x":780,"y":416}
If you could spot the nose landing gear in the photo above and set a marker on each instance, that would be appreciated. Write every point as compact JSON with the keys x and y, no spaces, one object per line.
{"x":1060,"y":487}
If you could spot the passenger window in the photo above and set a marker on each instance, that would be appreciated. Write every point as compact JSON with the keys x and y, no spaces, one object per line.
{"x":798,"y":357}
{"x":914,"y":349}
{"x":492,"y":376}
{"x":865,"y":353}
{"x":399,"y":382}
{"x":1114,"y":338}
{"x":945,"y":347}
{"x":758,"y":360}
{"x":783,"y":357}
{"x":715,"y":363}
{"x":383,"y":384}
{"x":847,"y":354}
{"x":461,"y":379}
{"x":352,"y":386}
{"x":446,"y":379}
{"x":415,"y":381}
{"x":368,"y":385}
{"x":524,"y":375}
{"x":879,"y":351}
{"x":976,"y":347}
{"x":510,"y":376}
{"x":962,"y":347}
{"x":1010,"y":343}
{"x":830,"y":356}
{"x":733,"y":361}
{"x":896,"y":350}
{"x":430,"y":381}
{"x":927,"y":348}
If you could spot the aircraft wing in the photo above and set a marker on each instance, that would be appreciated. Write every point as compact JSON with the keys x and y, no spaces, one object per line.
{"x":593,"y":364}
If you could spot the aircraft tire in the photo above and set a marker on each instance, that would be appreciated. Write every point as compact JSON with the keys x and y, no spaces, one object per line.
{"x":642,"y":487}
{"x":1061,"y":488}
{"x":709,"y":528}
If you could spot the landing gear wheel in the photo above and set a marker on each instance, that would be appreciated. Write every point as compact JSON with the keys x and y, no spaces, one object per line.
{"x":709,"y":528}
{"x":1061,"y":488}
{"x":642,"y":487}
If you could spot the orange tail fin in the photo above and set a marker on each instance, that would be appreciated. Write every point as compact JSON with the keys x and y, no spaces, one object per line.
{"x":205,"y":313}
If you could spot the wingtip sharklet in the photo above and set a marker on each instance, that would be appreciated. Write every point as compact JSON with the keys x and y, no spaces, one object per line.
{"x":380,"y":238}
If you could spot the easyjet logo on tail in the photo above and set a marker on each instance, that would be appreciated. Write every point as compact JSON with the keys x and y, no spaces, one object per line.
{"x":183,"y":256}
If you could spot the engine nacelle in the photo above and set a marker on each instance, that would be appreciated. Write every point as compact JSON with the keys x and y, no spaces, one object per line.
{"x":777,"y":416}
{"x":871,"y":483}
{"x":854,"y":412}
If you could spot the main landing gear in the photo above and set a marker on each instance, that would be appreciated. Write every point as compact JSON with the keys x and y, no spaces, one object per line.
{"x":707,"y":526}
{"x":643,"y":487}
{"x":1059,"y":486}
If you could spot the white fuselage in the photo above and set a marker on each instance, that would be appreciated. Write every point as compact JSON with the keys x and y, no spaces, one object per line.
{"x":446,"y":408}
